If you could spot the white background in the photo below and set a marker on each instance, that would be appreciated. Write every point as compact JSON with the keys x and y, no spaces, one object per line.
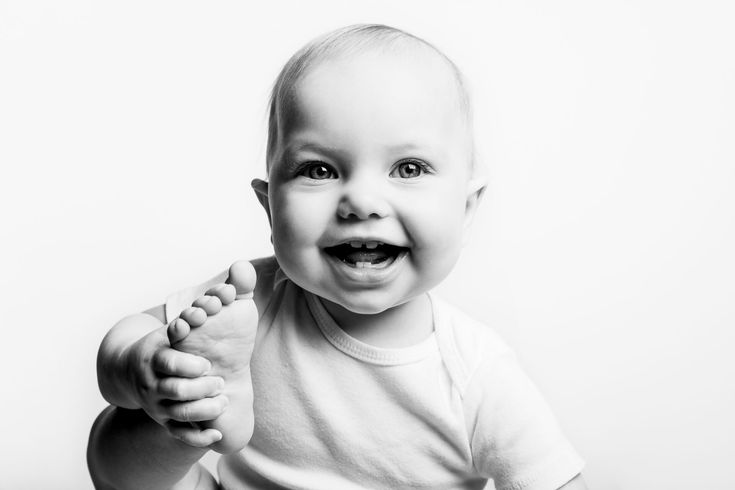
{"x":603,"y":252}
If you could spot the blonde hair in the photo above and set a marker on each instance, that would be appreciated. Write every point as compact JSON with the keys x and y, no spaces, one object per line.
{"x":350,"y":39}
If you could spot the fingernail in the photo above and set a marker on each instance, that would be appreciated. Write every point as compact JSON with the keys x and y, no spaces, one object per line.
{"x":218,"y":436}
{"x":206,"y":366}
{"x":220,"y":384}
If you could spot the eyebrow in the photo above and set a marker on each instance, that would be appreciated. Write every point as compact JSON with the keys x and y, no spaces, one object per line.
{"x":332,"y":151}
{"x":403,"y":147}
{"x":298,"y":146}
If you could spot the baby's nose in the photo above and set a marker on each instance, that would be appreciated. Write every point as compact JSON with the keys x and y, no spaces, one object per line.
{"x":362,"y":201}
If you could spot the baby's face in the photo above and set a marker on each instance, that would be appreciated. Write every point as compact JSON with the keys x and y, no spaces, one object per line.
{"x":370,"y":190}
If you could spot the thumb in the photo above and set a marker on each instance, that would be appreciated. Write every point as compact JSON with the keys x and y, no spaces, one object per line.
{"x":242,"y":276}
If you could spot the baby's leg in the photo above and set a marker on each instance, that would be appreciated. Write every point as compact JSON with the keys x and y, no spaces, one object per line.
{"x":220,"y":326}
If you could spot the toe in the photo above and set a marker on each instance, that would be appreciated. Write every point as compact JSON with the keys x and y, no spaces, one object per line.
{"x":210,"y":304}
{"x":177,"y":330}
{"x":242,"y":276}
{"x":225,"y":292}
{"x":194,"y":316}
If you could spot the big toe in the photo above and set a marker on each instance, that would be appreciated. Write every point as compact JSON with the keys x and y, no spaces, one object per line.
{"x":242,"y":276}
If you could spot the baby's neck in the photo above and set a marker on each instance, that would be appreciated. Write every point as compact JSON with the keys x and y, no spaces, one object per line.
{"x":401,"y":326}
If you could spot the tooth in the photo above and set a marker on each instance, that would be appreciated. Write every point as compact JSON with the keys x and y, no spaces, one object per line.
{"x":371,"y":245}
{"x":361,"y":265}
{"x":356,"y":244}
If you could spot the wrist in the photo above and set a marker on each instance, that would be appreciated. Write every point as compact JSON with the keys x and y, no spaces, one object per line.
{"x":113,"y":374}
{"x":115,"y":367}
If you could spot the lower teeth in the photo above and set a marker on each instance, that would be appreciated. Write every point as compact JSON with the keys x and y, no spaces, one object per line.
{"x":367,"y":264}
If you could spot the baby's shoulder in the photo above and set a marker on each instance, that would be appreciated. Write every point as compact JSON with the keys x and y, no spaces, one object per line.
{"x":471,"y":338}
{"x":265,"y":270}
{"x":466,"y":342}
{"x":268,"y":274}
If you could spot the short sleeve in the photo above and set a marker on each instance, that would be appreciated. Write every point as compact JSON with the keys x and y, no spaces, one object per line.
{"x":514,"y":438}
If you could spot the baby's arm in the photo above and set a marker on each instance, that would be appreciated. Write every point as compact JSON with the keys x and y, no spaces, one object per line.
{"x":515,"y":439}
{"x":128,"y":450}
{"x":137,"y":369}
{"x":134,"y":444}
{"x":146,"y":440}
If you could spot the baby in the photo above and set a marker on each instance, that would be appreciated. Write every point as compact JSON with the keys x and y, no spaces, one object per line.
{"x":336,"y":368}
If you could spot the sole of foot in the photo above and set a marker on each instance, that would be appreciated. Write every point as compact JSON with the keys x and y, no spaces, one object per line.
{"x":221,"y":326}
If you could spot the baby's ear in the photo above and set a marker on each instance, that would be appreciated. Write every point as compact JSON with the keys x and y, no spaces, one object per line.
{"x":261,"y":192}
{"x":475,"y":189}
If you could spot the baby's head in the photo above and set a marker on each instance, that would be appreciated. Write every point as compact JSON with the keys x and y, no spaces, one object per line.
{"x":351,"y":42}
{"x":371,"y":179}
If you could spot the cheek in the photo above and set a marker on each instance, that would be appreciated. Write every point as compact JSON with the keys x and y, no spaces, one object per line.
{"x":298,"y":219}
{"x":438,"y":231}
{"x":440,"y":220}
{"x":291,"y":237}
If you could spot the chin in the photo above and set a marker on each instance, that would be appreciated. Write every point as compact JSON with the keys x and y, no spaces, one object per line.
{"x":362,"y":304}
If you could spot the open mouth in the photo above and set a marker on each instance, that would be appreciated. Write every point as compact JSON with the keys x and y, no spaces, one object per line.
{"x":366,"y":254}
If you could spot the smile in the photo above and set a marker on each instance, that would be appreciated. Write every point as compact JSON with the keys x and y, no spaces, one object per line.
{"x":366,"y":254}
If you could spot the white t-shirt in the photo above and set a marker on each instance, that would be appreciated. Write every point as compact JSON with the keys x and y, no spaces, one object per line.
{"x":332,"y":412}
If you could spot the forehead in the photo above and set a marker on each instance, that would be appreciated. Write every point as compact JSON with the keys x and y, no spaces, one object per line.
{"x":409,"y":73}
{"x":379,"y":94}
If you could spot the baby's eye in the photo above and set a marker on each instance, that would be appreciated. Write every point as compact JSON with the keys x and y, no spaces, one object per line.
{"x":318,"y":171}
{"x":408,"y":170}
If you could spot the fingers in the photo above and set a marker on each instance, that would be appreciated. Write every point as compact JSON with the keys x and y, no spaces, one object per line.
{"x":175,"y":363}
{"x":185,"y":389}
{"x":242,"y":276}
{"x":193,"y":436}
{"x":196,"y":410}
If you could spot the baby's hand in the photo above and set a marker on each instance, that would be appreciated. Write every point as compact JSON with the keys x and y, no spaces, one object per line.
{"x":174,"y":388}
{"x":221,"y":326}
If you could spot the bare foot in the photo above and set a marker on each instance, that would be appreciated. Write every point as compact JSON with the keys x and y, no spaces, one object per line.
{"x":220,"y":326}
